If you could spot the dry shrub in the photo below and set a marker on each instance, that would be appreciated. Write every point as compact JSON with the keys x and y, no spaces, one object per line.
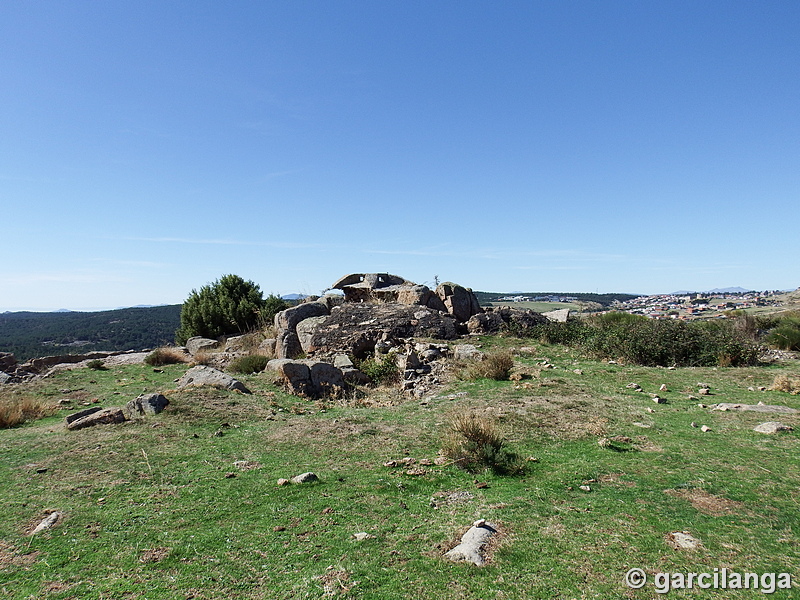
{"x":496,"y":365}
{"x":784,"y":383}
{"x":17,"y":410}
{"x":203,"y":358}
{"x":165,"y":356}
{"x":474,"y":444}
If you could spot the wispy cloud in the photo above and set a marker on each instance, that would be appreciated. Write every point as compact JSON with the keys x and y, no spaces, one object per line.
{"x":223,"y":242}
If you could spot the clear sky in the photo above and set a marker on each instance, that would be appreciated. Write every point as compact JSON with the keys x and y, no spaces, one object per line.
{"x":147,"y":148}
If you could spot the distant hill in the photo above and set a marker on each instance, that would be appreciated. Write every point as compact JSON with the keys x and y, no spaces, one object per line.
{"x":604,"y":299}
{"x":33,"y":334}
{"x":727,"y":290}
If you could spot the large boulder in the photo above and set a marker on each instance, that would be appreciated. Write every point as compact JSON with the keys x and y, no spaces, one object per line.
{"x":355,"y":329}
{"x":287,"y":342}
{"x":201,"y":344}
{"x":146,"y":404}
{"x":309,"y":378}
{"x":8,"y":363}
{"x":202,"y":375}
{"x":458,"y":300}
{"x":488,"y":322}
{"x":305,"y":332}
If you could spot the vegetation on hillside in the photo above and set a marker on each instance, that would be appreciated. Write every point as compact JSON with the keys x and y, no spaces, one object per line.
{"x":31,"y":334}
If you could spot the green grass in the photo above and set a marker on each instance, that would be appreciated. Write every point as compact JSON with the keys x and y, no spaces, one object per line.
{"x":150,"y":510}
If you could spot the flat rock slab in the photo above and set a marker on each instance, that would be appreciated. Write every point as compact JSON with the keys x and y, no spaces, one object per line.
{"x":82,"y":413}
{"x":765,"y":408}
{"x":107,"y":416}
{"x":305,"y":478}
{"x":472,"y":543}
{"x":772,"y":427}
{"x":202,"y":375}
{"x":680,"y":540}
{"x":48,"y":522}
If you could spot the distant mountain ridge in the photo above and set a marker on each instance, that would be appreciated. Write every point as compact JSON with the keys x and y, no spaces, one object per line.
{"x":727,"y":290}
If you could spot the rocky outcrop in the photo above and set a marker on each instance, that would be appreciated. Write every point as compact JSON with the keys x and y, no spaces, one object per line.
{"x":517,"y":320}
{"x":309,"y":378}
{"x":202,"y":375}
{"x":356,"y":329}
{"x":458,"y":300}
{"x":287,"y":343}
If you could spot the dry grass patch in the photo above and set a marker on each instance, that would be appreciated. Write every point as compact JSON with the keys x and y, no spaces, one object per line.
{"x":166,"y":356}
{"x":474,"y":443}
{"x":785,"y":383}
{"x":706,"y":503}
{"x":18,"y":409}
{"x":496,"y":365}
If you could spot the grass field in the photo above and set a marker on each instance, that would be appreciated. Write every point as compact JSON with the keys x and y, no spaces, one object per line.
{"x":158,"y":509}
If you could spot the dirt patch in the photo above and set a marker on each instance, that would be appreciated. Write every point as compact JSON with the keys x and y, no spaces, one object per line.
{"x":616,"y":480}
{"x":154,"y":555}
{"x":706,"y":503}
{"x":11,"y":557}
{"x":336,"y":581}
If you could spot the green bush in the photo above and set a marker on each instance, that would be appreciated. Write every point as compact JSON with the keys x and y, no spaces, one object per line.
{"x":96,"y":365}
{"x":229,"y":305}
{"x":652,"y":342}
{"x":380,"y":371}
{"x":252,"y":363}
{"x":272,"y":306}
{"x":786,"y":336}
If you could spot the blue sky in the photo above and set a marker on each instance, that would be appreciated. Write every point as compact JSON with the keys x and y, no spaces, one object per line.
{"x":147,"y":148}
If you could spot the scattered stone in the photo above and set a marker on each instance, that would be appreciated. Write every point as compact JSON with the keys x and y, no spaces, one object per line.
{"x":701,"y":405}
{"x":766,"y":408}
{"x":279,"y":528}
{"x":108,"y":416}
{"x":472,"y":543}
{"x":361,"y":536}
{"x":146,"y":404}
{"x":705,"y":428}
{"x":704,"y":391}
{"x":663,"y":388}
{"x":305,"y":478}
{"x":47,"y":523}
{"x":230,"y":475}
{"x":246,"y":465}
{"x":642,"y":425}
{"x":772,"y":427}
{"x":283,"y":481}
{"x":634,"y":386}
{"x":585,"y":488}
{"x":577,"y":372}
{"x":82,"y":413}
{"x":467,"y":352}
{"x":659,"y":400}
{"x":416,"y":472}
{"x":559,"y":316}
{"x":481,"y":485}
{"x":680,"y":540}
{"x":694,"y":424}
{"x":202,"y":375}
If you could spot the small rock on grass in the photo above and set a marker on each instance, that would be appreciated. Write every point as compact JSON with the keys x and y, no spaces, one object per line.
{"x":305,"y":478}
{"x":772,"y":427}
{"x":361,"y":536}
{"x":705,"y":428}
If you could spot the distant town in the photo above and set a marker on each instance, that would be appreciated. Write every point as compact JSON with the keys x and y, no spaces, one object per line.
{"x":698,"y":305}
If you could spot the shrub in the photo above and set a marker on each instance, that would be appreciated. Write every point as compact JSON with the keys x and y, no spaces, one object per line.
{"x":165,"y":356}
{"x":496,"y":365}
{"x":15,"y":410}
{"x":664,"y":343}
{"x":474,"y":444}
{"x":380,"y":371}
{"x":272,"y":306}
{"x":251,"y":363}
{"x":229,"y":305}
{"x":96,"y":365}
{"x":786,"y":333}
